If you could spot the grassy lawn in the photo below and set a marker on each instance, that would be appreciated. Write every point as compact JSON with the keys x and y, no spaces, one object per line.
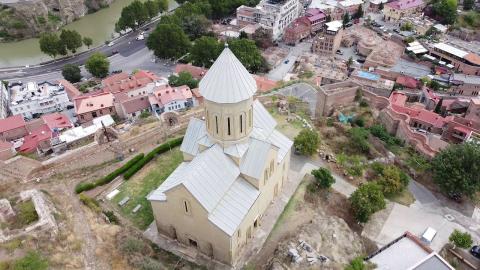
{"x":405,"y":197}
{"x":146,"y":180}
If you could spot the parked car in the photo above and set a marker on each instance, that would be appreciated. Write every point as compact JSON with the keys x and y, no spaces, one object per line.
{"x":475,"y":251}
{"x":286,"y":61}
{"x":110,"y":44}
{"x":339,"y":52}
{"x":114,"y":52}
{"x":140,"y":37}
{"x":428,"y":235}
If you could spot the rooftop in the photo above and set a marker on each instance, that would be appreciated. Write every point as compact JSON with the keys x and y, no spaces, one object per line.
{"x":334,"y":25}
{"x":11,"y":123}
{"x":95,"y":102}
{"x":165,"y":95}
{"x":123,"y":82}
{"x":450,"y":49}
{"x":348,"y":3}
{"x":20,"y":92}
{"x":405,"y":4}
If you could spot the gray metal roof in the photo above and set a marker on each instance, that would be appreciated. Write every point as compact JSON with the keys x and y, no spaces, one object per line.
{"x":236,"y":150}
{"x":234,"y":206}
{"x":470,"y":79}
{"x":262,"y":118}
{"x":174,"y":179}
{"x":253,"y":162}
{"x":282,"y":142}
{"x":227,"y":81}
{"x":196,"y":130}
{"x":433,"y":262}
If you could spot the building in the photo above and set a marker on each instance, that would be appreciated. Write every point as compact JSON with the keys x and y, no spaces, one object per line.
{"x":274,"y":15}
{"x":408,"y":252}
{"x":12,"y":128}
{"x":398,"y":9}
{"x":373,"y":82}
{"x":350,"y":6}
{"x":328,"y":41}
{"x":34,"y":99}
{"x":140,"y":83}
{"x":167,"y":99}
{"x":235,"y":164}
{"x":465,"y":85}
{"x":462,"y":61}
{"x":473,"y":111}
{"x":93,"y":105}
{"x":407,"y":82}
{"x":334,"y":95}
{"x":461,"y":130}
{"x":4,"y":101}
{"x":304,"y":26}
{"x":132,"y":107}
{"x":429,"y":99}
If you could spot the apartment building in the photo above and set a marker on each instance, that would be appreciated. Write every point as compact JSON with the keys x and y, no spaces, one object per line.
{"x":463,"y":62}
{"x":328,"y":41}
{"x":398,"y":9}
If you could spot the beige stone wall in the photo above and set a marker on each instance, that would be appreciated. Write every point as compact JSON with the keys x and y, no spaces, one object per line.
{"x":327,"y":101}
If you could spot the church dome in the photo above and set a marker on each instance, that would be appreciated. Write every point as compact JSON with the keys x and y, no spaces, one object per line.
{"x":227,"y":81}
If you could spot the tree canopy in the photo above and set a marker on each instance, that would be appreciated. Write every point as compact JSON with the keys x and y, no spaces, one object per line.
{"x":50,"y":44}
{"x":247,"y":52}
{"x":183,"y":78}
{"x":195,"y":25}
{"x":87,"y":41}
{"x":71,"y":73}
{"x":456,"y":169}
{"x":138,"y":13}
{"x":358,"y":139}
{"x":205,"y":50}
{"x":71,"y":39}
{"x":446,"y":10}
{"x":98,"y":65}
{"x":367,"y":200}
{"x":168,"y":41}
{"x":306,"y":142}
{"x":323,"y":178}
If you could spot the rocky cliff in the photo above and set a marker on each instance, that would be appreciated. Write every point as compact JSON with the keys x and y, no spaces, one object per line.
{"x":23,"y":19}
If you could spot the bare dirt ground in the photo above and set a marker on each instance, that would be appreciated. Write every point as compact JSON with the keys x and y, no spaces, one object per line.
{"x":322,"y":220}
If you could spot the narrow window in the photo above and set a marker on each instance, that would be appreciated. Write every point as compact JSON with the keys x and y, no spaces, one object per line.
{"x":216,"y":123}
{"x":228,"y":126}
{"x":186,"y":207}
{"x":241,"y":123}
{"x":250,"y":117}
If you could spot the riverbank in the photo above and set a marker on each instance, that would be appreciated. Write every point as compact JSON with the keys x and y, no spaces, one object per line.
{"x":99,"y":26}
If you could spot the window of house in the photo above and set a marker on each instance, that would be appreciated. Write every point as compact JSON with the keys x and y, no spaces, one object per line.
{"x":241,"y":123}
{"x":216,"y":124}
{"x":186,"y":207}
{"x":110,"y":109}
{"x":228,"y":126}
{"x":272,"y":165}
{"x":265,"y":177}
{"x":239,"y":233}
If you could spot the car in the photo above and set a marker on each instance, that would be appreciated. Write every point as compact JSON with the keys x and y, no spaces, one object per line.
{"x":146,"y":28}
{"x":348,"y":24}
{"x":286,"y":61}
{"x":428,"y":235}
{"x":114,"y":52}
{"x":361,"y":60}
{"x":339,"y":52}
{"x":475,"y":251}
{"x":140,"y":37}
{"x":110,"y":44}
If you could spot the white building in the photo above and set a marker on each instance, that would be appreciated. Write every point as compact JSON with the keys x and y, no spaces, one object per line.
{"x":167,"y":99}
{"x":275,"y":15}
{"x":4,"y":100}
{"x":33,"y":99}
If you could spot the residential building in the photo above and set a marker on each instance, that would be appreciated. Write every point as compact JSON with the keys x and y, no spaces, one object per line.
{"x":398,"y":9}
{"x":350,"y":6}
{"x":465,"y":85}
{"x":429,"y":98}
{"x":4,"y":100}
{"x":235,"y":164}
{"x":373,"y":82}
{"x":374,"y":5}
{"x":461,"y":130}
{"x":12,"y":128}
{"x":167,"y":99}
{"x":140,"y":83}
{"x":132,"y":107}
{"x":274,"y":15}
{"x":92,"y":105}
{"x":334,"y":95}
{"x":473,"y":111}
{"x":72,"y":91}
{"x":407,"y":82}
{"x":408,"y":252}
{"x":328,"y":41}
{"x":34,"y":99}
{"x":462,"y":61}
{"x":304,"y":26}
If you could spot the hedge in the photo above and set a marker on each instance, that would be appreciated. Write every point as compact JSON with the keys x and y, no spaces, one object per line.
{"x":84,"y":186}
{"x":148,"y":157}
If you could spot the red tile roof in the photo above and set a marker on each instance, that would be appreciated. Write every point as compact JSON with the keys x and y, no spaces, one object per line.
{"x":407,"y":81}
{"x":85,"y":104}
{"x":11,"y":123}
{"x":32,"y":140}
{"x":5,"y":146}
{"x":135,"y":104}
{"x":123,"y":82}
{"x":165,"y":95}
{"x":197,"y":72}
{"x":56,"y":120}
{"x":71,"y":90}
{"x":264,"y":84}
{"x":473,"y":58}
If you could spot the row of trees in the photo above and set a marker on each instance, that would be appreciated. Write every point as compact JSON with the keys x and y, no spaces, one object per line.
{"x":138,"y":13}
{"x":97,"y":64}
{"x":222,"y":8}
{"x":68,"y":40}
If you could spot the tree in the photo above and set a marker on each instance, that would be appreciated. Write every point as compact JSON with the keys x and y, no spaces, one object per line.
{"x":446,"y":10}
{"x":71,"y":73}
{"x":392,"y":180}
{"x":263,"y":38}
{"x":71,"y":39}
{"x":98,"y":65}
{"x":345,"y":19}
{"x":168,"y":41}
{"x":455,"y":169}
{"x":87,"y":41}
{"x":205,"y":50}
{"x":133,"y":16}
{"x":162,"y":5}
{"x":461,"y":240}
{"x":50,"y":44}
{"x":323,"y":178}
{"x":359,"y":13}
{"x":195,"y":25}
{"x":152,"y":7}
{"x":243,"y":35}
{"x":350,"y":62}
{"x":183,"y":78}
{"x":356,"y":264}
{"x":358,"y":139}
{"x":247,"y":52}
{"x":306,"y":142}
{"x":380,"y":7}
{"x":367,"y":200}
{"x":434,"y":85}
{"x":468,"y":4}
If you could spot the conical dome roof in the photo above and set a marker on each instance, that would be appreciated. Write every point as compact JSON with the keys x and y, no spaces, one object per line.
{"x":227,"y":81}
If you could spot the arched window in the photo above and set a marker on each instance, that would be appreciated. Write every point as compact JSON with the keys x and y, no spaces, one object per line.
{"x":241,"y":123}
{"x":229,"y":132}
{"x":216,"y":124}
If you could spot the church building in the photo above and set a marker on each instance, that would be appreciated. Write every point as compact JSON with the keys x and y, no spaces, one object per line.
{"x":235,"y":164}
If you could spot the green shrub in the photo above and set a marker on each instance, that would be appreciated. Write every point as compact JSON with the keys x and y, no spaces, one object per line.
{"x":148,"y":157}
{"x":380,"y":132}
{"x":32,"y":261}
{"x":358,"y":121}
{"x":306,"y":142}
{"x":89,"y":202}
{"x":356,"y":264}
{"x":111,"y":217}
{"x":367,"y":200}
{"x":323,"y":178}
{"x":27,"y":213}
{"x":84,"y":186}
{"x":363,"y":103}
{"x":461,"y":240}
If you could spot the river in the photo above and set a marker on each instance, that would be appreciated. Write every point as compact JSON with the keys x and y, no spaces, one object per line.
{"x":99,"y":26}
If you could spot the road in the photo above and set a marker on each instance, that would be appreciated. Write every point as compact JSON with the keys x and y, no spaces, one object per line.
{"x":279,"y":72}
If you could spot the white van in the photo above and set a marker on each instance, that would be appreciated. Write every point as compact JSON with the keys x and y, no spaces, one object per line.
{"x":429,"y":234}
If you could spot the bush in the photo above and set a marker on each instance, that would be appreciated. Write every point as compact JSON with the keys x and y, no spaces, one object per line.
{"x":89,"y":202}
{"x":358,"y":121}
{"x":358,"y":139}
{"x":390,"y":178}
{"x":461,"y":240}
{"x":363,"y":103}
{"x":367,"y":200}
{"x":111,"y":217}
{"x":323,"y":178}
{"x":380,"y":132}
{"x":84,"y":186}
{"x":306,"y":142}
{"x":356,"y":264}
{"x":27,"y":213}
{"x":148,"y":157}
{"x":132,"y":245}
{"x":32,"y":261}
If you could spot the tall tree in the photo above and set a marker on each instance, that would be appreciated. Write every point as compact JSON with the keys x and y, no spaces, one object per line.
{"x":152,"y":7}
{"x":168,"y":41}
{"x":446,"y":10}
{"x":98,"y":65}
{"x":195,"y":25}
{"x":247,"y":52}
{"x":359,"y":13}
{"x":263,"y":38}
{"x":71,"y":73}
{"x":205,"y":50}
{"x":71,"y":39}
{"x":183,"y":78}
{"x":367,"y":200}
{"x":380,"y":7}
{"x":87,"y":41}
{"x":162,"y":5}
{"x":132,"y":16}
{"x":456,"y":169}
{"x":345,"y":19}
{"x":50,"y":44}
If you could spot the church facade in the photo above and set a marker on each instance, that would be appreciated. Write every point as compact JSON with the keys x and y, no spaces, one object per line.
{"x":235,"y":164}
